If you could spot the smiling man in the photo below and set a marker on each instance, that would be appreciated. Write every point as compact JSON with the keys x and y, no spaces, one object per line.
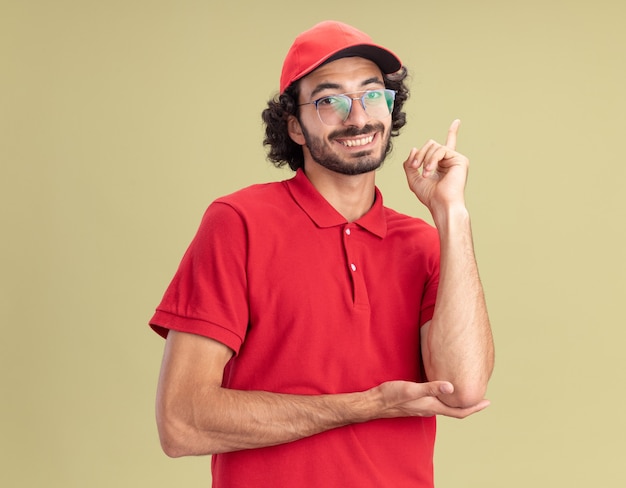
{"x":313,"y":334}
{"x":352,"y":148}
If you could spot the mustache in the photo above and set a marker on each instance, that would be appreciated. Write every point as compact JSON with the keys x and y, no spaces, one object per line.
{"x":356,"y":131}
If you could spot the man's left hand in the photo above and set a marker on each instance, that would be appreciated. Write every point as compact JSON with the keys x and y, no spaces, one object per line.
{"x":437,"y":174}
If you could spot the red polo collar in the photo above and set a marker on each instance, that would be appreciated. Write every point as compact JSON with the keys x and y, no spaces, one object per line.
{"x":324,"y":215}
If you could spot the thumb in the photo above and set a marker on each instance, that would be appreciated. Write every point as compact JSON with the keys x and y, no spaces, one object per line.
{"x":437,"y":388}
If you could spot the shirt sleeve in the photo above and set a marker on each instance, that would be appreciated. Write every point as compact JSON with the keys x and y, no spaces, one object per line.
{"x":208,"y":294}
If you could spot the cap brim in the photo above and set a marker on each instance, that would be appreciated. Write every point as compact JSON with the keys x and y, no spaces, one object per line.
{"x":385,"y":59}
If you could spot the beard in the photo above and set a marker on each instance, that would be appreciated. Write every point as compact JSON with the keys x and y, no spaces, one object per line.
{"x":360,"y":162}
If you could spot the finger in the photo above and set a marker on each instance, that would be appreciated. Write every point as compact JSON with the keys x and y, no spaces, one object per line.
{"x":452,"y":134}
{"x":411,"y":161}
{"x":461,"y":413}
{"x":419,"y":155}
{"x":436,"y":152}
{"x":433,"y":157}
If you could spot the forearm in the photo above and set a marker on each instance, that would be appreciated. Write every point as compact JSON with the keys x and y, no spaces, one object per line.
{"x":222,"y":420}
{"x":197,"y":416}
{"x":459,"y":345}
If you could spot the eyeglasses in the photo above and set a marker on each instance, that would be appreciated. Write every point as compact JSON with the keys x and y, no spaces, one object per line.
{"x":335,"y":109}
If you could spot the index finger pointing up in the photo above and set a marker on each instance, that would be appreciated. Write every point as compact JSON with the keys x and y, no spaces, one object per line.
{"x":452,"y":133}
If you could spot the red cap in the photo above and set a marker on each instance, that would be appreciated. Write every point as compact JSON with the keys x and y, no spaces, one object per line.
{"x":332,"y":40}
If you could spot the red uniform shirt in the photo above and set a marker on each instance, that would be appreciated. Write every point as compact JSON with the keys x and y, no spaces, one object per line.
{"x":312,"y":304}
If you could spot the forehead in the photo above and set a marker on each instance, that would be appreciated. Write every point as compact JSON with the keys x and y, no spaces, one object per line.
{"x":344,"y":75}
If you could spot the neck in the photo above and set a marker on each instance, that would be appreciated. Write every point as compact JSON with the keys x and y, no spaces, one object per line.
{"x":351,"y":195}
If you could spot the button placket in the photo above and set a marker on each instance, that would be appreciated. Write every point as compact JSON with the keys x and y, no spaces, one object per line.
{"x":359,"y":289}
{"x":347,"y":233}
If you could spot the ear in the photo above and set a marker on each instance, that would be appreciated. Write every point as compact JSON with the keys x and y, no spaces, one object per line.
{"x":295,"y":130}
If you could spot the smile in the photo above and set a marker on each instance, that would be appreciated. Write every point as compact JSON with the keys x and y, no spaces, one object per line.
{"x":357,"y":142}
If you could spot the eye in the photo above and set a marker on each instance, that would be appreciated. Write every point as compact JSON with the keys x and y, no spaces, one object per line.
{"x":329,"y":101}
{"x":373,"y":95}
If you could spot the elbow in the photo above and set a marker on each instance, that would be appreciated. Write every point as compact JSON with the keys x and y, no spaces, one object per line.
{"x":172,"y":439}
{"x":465,"y":397}
{"x":469,"y":389}
{"x":179,"y":438}
{"x":172,"y":449}
{"x":468,"y":392}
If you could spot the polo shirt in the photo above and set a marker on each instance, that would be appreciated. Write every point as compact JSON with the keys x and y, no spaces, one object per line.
{"x":312,"y":304}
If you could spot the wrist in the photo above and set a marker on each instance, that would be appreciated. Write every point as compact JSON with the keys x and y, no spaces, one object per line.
{"x":450,"y":216}
{"x":369,"y":405}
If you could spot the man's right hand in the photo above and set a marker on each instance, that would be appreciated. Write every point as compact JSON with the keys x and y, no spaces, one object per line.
{"x":408,"y":399}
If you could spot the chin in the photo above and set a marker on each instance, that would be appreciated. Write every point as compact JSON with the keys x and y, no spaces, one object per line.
{"x":358,"y":168}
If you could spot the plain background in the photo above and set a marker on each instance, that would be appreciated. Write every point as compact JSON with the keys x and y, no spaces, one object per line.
{"x":122,"y":120}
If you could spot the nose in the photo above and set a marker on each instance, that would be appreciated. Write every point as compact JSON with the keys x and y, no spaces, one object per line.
{"x":357,"y":117}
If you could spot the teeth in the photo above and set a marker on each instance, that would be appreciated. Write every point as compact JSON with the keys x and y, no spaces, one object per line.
{"x":358,"y":142}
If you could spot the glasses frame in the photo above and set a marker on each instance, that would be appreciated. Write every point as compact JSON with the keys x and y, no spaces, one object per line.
{"x":346,"y":96}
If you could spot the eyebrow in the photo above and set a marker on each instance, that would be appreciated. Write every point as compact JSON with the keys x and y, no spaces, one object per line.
{"x":334,"y":86}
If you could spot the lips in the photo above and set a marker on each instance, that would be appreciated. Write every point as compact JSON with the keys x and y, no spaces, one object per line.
{"x":357,"y":137}
{"x":362,"y":141}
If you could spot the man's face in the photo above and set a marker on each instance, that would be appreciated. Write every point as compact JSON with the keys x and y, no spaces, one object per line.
{"x":358,"y":144}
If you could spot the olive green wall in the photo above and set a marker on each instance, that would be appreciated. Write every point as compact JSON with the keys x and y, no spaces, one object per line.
{"x":121,"y":121}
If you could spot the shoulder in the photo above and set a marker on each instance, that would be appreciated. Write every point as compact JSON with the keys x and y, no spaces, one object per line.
{"x":254,"y":192}
{"x":400,"y":222}
{"x":231,"y":221}
{"x":255,"y":205}
{"x":413,"y":235}
{"x":255,"y":196}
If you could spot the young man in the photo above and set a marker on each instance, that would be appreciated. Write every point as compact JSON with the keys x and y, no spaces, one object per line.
{"x":312,"y":333}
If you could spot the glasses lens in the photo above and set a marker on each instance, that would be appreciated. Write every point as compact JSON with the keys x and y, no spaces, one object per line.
{"x":334,"y":110}
{"x":378,"y":103}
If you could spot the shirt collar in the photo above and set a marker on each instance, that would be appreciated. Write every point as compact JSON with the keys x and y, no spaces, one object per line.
{"x":324,"y":215}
